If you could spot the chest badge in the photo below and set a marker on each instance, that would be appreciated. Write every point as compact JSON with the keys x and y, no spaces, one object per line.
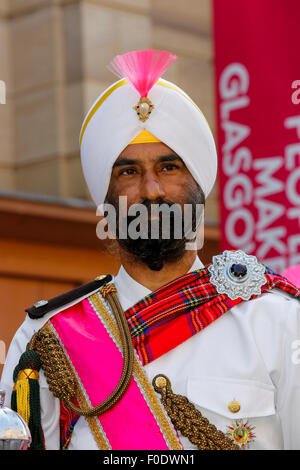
{"x":237,"y":274}
{"x":241,"y":433}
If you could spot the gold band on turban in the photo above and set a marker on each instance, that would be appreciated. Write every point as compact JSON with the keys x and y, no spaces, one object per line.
{"x":144,"y":137}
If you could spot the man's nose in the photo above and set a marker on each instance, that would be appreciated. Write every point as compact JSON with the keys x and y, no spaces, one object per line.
{"x":151,"y":186}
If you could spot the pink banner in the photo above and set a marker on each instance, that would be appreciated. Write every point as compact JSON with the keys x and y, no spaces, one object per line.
{"x":257,"y":60}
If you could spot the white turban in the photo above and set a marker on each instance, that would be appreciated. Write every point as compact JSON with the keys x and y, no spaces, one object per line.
{"x":112,"y":123}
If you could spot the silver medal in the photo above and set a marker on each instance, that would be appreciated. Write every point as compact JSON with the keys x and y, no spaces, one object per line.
{"x":237,"y":274}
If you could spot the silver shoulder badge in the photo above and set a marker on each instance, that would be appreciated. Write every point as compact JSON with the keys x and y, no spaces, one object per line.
{"x":237,"y":274}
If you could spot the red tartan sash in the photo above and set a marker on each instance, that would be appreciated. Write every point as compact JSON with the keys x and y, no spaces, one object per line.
{"x":186,"y":305}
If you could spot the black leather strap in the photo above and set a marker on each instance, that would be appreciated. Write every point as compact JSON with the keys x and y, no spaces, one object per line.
{"x":36,"y":312}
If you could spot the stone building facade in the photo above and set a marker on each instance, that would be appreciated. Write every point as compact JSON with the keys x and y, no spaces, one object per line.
{"x":53,"y":59}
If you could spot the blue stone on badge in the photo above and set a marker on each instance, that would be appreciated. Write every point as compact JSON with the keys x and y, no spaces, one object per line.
{"x":238,"y":270}
{"x":237,"y":274}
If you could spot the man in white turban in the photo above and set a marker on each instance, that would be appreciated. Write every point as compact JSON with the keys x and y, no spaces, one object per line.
{"x":168,"y":354}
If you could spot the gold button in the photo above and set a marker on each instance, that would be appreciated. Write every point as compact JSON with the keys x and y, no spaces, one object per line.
{"x":160,"y":382}
{"x":234,"y":406}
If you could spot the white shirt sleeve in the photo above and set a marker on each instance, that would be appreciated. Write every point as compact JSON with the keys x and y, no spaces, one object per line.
{"x":276,"y":330}
{"x":50,"y":406}
{"x":288,"y":380}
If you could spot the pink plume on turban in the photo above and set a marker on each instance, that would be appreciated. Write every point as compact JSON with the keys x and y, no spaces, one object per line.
{"x":142,"y":68}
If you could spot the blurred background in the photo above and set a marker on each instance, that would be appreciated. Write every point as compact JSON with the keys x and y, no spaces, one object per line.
{"x":53,"y":58}
{"x":239,"y":60}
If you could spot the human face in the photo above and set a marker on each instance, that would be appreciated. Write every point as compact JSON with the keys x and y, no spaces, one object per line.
{"x":148,"y":172}
{"x":151,"y":174}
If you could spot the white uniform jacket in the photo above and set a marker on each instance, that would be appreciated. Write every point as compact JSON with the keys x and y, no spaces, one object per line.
{"x":250,"y":355}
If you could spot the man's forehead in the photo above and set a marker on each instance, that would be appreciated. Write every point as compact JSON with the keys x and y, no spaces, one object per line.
{"x":143,"y":152}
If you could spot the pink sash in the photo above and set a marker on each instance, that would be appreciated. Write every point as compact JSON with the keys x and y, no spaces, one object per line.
{"x":134,"y":423}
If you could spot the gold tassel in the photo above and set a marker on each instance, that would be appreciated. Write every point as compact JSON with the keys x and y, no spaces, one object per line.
{"x":22,"y":390}
{"x":25,"y":397}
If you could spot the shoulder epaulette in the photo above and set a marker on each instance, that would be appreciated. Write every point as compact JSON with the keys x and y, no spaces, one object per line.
{"x":40,"y":308}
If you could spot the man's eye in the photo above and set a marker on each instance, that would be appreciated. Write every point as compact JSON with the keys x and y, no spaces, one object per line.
{"x":169,"y":167}
{"x":127,"y":171}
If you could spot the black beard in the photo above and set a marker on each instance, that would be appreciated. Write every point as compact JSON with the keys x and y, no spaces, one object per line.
{"x":155,"y":252}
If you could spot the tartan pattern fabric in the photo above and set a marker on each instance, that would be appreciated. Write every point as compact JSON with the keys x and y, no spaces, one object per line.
{"x":186,"y":305}
{"x":67,"y":421}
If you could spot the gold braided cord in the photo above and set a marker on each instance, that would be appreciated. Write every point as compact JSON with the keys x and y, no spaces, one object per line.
{"x":93,"y":422}
{"x":57,"y":371}
{"x":189,"y":421}
{"x":60,"y":377}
